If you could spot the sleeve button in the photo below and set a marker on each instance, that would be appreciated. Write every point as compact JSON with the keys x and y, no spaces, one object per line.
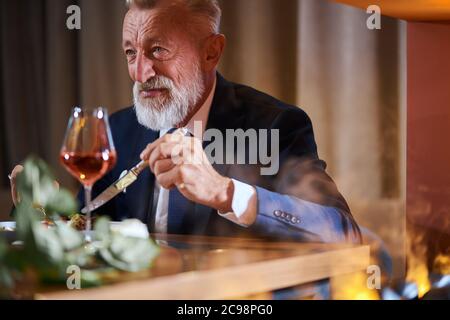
{"x":295,"y":220}
{"x":277,"y":213}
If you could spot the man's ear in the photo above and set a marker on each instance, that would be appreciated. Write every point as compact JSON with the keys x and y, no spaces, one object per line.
{"x":213,"y":51}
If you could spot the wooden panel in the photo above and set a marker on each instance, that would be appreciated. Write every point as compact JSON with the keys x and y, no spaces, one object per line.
{"x":428,"y":169}
{"x":419,"y":10}
{"x":428,"y":154}
{"x":219,"y":268}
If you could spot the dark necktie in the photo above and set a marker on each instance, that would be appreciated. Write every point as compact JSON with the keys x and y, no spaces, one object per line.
{"x":179,"y":210}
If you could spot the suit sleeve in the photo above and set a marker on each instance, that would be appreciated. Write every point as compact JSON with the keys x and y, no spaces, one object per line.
{"x":288,"y":217}
{"x":301,"y":202}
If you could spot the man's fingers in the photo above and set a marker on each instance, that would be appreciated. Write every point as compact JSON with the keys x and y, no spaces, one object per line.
{"x":145,"y":154}
{"x":15,"y":197}
{"x":165,"y":150}
{"x":162,"y":166}
{"x":17,"y":169}
{"x":169,"y":179}
{"x":13,"y":178}
{"x":147,"y":151}
{"x":174,"y":138}
{"x":154,"y":156}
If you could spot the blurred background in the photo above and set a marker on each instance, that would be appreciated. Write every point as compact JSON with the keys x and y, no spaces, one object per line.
{"x":315,"y":54}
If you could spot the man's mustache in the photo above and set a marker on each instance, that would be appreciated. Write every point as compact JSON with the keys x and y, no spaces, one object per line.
{"x":157,"y":82}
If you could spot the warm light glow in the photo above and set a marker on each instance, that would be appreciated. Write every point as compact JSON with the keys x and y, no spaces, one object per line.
{"x":442,"y":264}
{"x":82,"y":176}
{"x":423,"y":288}
{"x":417,"y":268}
{"x":365,"y":296}
{"x":353,"y":287}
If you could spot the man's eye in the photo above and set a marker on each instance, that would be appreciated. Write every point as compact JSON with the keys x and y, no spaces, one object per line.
{"x":159,"y":52}
{"x":130,"y":53}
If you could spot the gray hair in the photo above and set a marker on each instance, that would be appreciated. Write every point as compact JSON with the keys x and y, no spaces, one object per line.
{"x":208,"y":9}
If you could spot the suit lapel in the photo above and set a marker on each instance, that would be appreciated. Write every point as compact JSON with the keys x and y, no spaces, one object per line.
{"x":225,"y":114}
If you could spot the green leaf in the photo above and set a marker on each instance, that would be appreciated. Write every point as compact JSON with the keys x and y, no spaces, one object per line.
{"x":36,"y":185}
{"x":6,"y":281}
{"x":102,"y":230}
{"x":124,"y":253}
{"x":26,"y":216}
{"x":61,"y":202}
{"x":48,"y":251}
{"x":69,"y":237}
{"x":48,"y":242}
{"x":91,"y":278}
{"x":129,"y":254}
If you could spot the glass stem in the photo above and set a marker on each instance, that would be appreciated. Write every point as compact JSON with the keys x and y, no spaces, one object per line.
{"x":87,"y":195}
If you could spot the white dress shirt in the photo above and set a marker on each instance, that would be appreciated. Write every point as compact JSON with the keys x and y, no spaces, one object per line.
{"x":244,"y":197}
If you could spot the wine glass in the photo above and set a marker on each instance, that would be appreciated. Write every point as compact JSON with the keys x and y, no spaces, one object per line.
{"x":88,"y":151}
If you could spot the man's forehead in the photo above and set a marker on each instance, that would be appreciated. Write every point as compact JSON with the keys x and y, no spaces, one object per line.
{"x":155,"y":19}
{"x":139,"y":19}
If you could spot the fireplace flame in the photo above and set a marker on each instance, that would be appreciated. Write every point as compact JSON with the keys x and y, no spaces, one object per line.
{"x":417,"y":262}
{"x":425,"y":260}
{"x":418,"y":274}
{"x":353,"y":287}
{"x":441,"y":264}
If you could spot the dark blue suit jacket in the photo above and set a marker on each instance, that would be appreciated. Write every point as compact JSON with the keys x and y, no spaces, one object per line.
{"x":300,"y":203}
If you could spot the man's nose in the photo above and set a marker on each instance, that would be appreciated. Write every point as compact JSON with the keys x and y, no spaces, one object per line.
{"x":144,"y":68}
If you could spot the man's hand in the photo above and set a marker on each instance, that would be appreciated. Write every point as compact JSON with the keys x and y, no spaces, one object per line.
{"x":12,"y":181}
{"x":179,"y":161}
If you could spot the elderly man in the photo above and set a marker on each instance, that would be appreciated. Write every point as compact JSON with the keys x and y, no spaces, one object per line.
{"x":173,"y":48}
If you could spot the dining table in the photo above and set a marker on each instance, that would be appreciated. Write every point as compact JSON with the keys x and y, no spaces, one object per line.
{"x":215,"y":268}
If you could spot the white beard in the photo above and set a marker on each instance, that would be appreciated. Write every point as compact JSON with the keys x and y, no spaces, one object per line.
{"x":167,"y":110}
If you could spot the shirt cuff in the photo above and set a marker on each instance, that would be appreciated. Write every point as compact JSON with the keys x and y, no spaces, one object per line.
{"x":243,"y":205}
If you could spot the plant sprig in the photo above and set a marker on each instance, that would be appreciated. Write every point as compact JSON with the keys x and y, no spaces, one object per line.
{"x":48,"y":251}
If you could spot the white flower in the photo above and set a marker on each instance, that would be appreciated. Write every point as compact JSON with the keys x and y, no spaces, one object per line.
{"x":131,"y":228}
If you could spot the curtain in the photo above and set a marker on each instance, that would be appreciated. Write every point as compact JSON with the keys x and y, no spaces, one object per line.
{"x":47,"y":69}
